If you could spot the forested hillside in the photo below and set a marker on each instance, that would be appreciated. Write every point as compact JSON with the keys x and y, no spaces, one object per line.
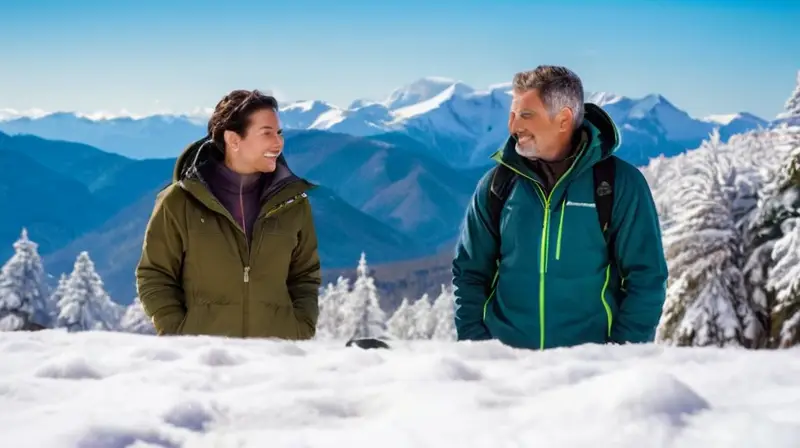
{"x":730,"y":215}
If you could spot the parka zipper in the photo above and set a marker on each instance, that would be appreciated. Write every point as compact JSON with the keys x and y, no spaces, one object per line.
{"x":270,"y":212}
{"x":261,"y":234}
{"x":544,"y":242}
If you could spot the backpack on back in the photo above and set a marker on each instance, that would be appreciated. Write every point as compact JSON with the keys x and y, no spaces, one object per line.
{"x":503,"y":179}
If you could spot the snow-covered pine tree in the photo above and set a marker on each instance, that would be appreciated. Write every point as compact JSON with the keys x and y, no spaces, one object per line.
{"x":56,"y":296}
{"x":789,"y":174}
{"x":401,"y":325}
{"x":784,"y":280}
{"x":331,"y":323}
{"x":778,"y":203}
{"x":424,"y":322}
{"x":23,"y":291}
{"x":325,"y":313}
{"x":135,"y":320}
{"x":792,"y":107}
{"x":443,"y":313}
{"x":369,"y":320}
{"x":85,"y":305}
{"x":706,"y":300}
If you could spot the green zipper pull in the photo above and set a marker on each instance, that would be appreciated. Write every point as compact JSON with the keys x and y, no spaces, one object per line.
{"x":247,"y":274}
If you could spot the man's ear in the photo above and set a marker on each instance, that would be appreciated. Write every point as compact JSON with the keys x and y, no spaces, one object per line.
{"x":565,"y":118}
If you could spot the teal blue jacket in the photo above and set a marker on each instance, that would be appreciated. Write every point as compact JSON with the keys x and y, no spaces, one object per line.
{"x":554,"y":285}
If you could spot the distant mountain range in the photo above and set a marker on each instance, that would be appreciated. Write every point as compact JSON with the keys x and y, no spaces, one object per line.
{"x":376,"y":195}
{"x":458,"y":124}
{"x":396,"y":175}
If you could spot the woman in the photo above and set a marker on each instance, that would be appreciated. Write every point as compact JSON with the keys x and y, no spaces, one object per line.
{"x":230,"y":248}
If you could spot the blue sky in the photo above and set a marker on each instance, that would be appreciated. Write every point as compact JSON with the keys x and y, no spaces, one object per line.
{"x":144,"y":56}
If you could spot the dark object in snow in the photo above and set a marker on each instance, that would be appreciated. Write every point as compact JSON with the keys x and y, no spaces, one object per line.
{"x":367,"y":343}
{"x":33,"y":326}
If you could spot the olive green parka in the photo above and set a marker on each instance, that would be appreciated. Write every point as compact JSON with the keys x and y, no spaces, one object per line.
{"x":197,"y":273}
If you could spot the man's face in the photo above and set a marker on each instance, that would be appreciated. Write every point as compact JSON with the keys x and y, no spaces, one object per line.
{"x":262,"y":143}
{"x":538,"y":136}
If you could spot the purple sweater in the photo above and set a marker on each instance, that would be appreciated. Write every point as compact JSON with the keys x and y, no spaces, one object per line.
{"x":239,"y":194}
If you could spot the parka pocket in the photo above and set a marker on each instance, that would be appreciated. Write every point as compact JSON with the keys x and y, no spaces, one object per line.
{"x":213,"y":319}
{"x":270,"y":320}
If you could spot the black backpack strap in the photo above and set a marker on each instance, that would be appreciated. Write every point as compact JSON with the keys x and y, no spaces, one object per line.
{"x":604,"y":175}
{"x":499,"y":188}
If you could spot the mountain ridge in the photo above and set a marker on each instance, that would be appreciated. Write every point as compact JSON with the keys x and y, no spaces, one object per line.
{"x":462,"y":123}
{"x":405,"y":202}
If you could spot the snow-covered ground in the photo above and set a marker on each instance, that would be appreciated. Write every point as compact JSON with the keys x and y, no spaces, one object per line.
{"x":97,"y":389}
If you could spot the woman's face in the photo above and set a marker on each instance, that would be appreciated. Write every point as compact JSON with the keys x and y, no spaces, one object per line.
{"x":262,"y":143}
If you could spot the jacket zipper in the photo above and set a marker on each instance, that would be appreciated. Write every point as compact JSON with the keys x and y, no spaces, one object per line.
{"x":544,"y":243}
{"x":269,"y":213}
{"x":246,"y":274}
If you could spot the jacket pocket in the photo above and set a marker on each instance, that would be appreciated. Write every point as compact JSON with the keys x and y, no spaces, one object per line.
{"x":214,"y":319}
{"x":271,"y":320}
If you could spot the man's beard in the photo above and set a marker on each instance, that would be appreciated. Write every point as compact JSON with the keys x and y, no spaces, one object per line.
{"x":529,"y":150}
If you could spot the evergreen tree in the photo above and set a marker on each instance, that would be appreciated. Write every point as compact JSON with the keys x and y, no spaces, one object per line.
{"x":401,"y":324}
{"x":369,"y":320}
{"x":85,"y":305}
{"x":331,"y":323}
{"x":23,"y":291}
{"x":443,"y":312}
{"x":792,"y":106}
{"x":766,"y":239}
{"x":784,"y":279}
{"x":56,"y":296}
{"x":707,"y":300}
{"x":424,"y":323}
{"x":135,"y":320}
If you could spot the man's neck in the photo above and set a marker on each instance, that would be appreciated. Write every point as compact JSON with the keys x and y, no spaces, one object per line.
{"x":551,"y":171}
{"x":568,"y":148}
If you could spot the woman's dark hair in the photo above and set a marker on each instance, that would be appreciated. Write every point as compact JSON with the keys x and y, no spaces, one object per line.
{"x":233,"y":111}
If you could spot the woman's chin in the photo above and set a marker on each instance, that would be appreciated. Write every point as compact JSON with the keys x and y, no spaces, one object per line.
{"x":267,"y":165}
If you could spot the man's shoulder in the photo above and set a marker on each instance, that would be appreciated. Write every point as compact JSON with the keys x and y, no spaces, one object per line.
{"x":628,"y":175}
{"x":485,"y":179}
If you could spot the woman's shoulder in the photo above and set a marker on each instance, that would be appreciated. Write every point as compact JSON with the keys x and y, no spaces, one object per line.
{"x":172,"y":196}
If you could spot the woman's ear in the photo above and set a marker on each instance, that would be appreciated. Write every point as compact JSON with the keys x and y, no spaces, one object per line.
{"x":231,"y":140}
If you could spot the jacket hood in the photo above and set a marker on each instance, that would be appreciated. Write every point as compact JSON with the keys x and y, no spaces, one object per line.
{"x":198,"y":155}
{"x":603,"y":130}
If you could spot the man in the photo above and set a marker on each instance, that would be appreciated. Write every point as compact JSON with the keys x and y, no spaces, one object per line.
{"x":534,"y":267}
{"x":230,"y":248}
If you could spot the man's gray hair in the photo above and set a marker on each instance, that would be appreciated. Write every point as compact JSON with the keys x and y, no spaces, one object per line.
{"x":558,"y":87}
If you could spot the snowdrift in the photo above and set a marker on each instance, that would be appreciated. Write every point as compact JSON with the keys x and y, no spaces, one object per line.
{"x":100,"y":389}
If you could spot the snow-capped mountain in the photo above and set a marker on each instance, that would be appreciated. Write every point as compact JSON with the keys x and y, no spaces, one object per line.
{"x":737,"y":123}
{"x":461,"y":125}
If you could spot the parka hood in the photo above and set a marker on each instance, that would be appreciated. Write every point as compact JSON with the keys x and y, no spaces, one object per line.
{"x":603,"y":129}
{"x":197,"y":157}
